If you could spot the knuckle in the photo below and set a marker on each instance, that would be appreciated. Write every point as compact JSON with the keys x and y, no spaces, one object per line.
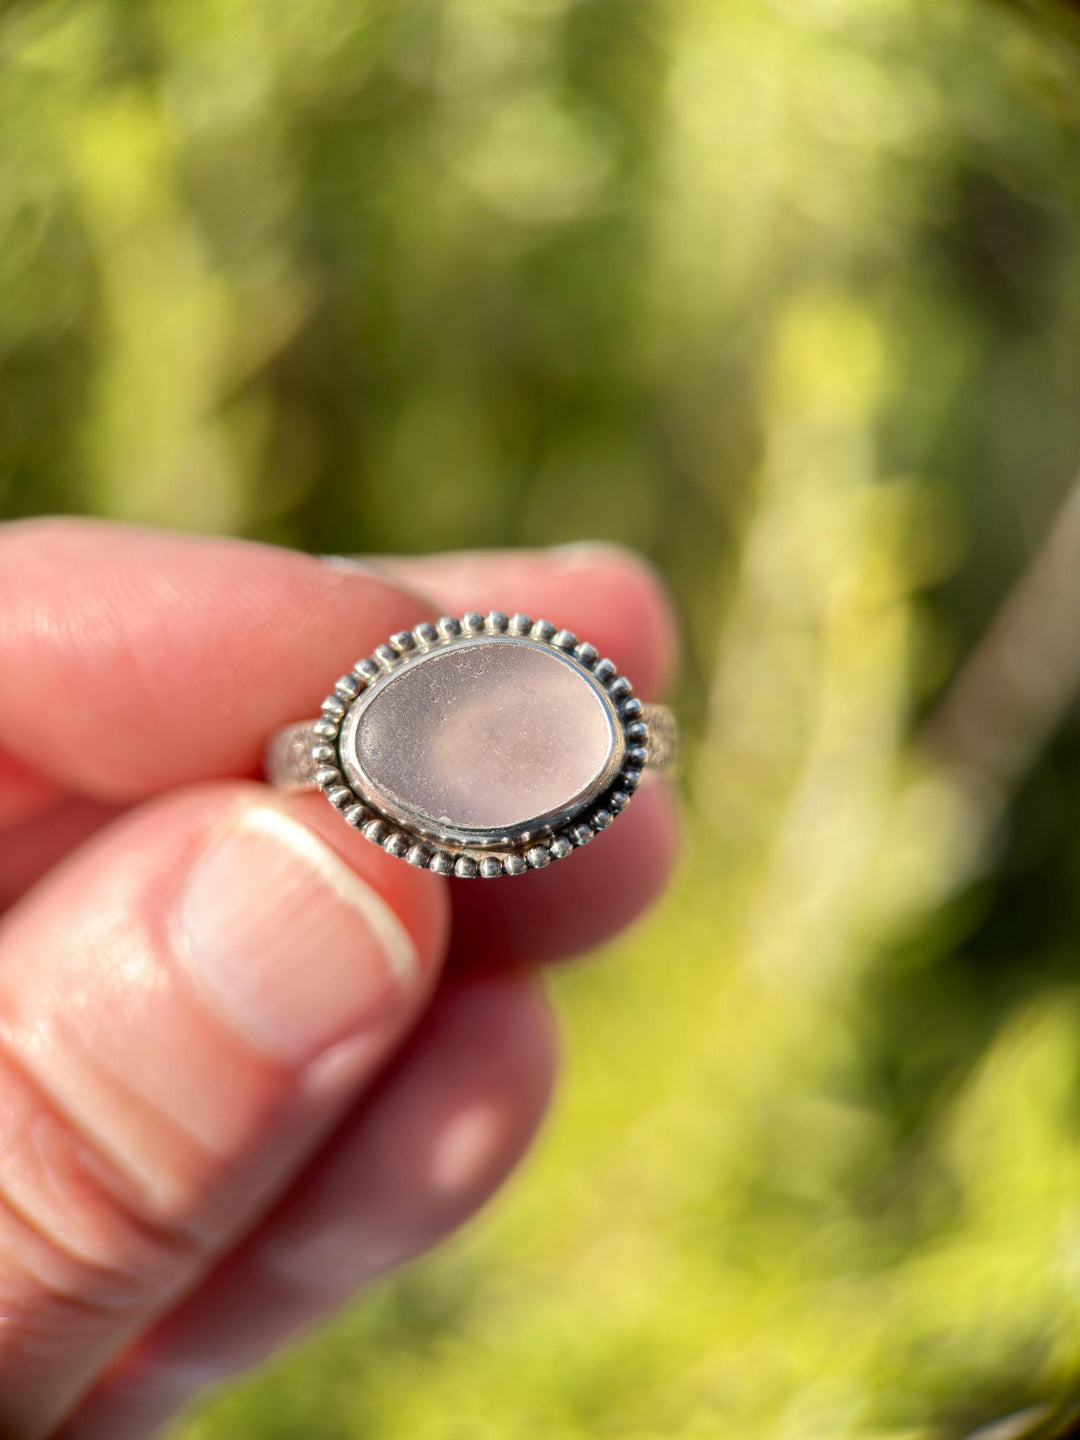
{"x":72,"y":1235}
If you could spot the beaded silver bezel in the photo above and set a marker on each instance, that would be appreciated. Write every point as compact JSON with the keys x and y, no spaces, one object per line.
{"x":538,"y":842}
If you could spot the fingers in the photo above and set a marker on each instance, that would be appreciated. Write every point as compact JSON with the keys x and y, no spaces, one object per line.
{"x":187,"y":1006}
{"x":428,"y":1148}
{"x":250,"y":1026}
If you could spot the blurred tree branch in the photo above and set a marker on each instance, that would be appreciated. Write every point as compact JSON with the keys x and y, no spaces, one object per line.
{"x":1013,"y":692}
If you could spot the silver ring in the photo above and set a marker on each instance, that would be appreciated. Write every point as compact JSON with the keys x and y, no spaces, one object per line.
{"x":487,"y":746}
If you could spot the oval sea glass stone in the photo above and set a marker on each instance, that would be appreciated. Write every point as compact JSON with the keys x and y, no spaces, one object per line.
{"x":484,"y":738}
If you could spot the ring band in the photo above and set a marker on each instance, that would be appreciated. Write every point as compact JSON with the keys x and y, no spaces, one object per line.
{"x":486,"y":745}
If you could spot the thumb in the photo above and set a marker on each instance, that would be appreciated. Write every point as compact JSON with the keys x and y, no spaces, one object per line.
{"x":186,"y":1008}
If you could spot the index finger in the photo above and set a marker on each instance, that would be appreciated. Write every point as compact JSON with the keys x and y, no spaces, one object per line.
{"x":135,"y":660}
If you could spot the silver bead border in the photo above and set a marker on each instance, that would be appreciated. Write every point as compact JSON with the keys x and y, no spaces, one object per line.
{"x":465,"y":863}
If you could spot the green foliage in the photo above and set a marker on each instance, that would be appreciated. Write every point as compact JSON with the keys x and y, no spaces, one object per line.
{"x":786,"y":293}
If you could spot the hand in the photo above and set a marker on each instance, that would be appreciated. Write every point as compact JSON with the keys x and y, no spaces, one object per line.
{"x":247,"y":1060}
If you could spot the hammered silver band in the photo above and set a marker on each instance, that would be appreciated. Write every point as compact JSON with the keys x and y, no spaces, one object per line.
{"x":290,"y":763}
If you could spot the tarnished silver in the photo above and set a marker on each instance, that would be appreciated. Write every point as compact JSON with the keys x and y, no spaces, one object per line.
{"x":328,"y":753}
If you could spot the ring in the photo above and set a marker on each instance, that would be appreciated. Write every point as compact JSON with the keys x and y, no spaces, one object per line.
{"x":484,"y":746}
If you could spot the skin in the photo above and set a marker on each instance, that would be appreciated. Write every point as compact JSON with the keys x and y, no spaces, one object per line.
{"x":192,"y":1175}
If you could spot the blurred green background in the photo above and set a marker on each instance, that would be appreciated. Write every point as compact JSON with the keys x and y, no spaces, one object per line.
{"x":787,"y":294}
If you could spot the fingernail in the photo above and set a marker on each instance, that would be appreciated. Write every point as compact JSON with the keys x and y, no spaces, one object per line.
{"x":591,"y":552}
{"x":292,"y":949}
{"x":352,"y":564}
